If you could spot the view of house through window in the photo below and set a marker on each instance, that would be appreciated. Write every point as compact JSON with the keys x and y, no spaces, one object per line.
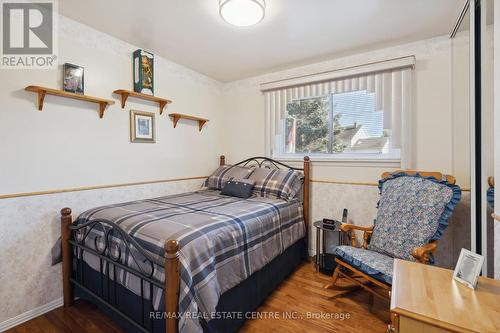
{"x":334,"y":124}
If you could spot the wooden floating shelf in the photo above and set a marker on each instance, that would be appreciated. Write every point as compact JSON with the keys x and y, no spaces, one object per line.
{"x":42,"y":91}
{"x":177,"y":116}
{"x":162,"y":102}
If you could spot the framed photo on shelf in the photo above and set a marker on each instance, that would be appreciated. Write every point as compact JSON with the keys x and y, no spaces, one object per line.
{"x":468,"y":268}
{"x":142,"y":127}
{"x":73,"y":79}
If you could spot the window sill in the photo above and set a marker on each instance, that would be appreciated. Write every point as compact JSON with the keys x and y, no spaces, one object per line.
{"x":360,"y":161}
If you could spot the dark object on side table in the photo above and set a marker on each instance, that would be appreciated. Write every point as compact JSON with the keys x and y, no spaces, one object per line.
{"x":329,"y":224}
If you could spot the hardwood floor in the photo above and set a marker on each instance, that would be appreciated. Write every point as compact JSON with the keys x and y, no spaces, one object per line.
{"x":80,"y":318}
{"x":300,"y":304}
{"x":303,"y":295}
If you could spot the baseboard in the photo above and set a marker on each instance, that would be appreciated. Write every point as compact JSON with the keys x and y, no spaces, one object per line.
{"x":9,"y":323}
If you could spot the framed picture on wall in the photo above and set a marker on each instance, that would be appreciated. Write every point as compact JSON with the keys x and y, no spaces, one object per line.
{"x":73,"y":79}
{"x":468,"y":268}
{"x":142,"y":126}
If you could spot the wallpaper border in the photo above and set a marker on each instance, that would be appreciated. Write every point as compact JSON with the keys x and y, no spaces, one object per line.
{"x":96,"y":187}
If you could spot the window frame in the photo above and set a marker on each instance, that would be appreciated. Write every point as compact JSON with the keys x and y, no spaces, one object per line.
{"x":391,"y":159}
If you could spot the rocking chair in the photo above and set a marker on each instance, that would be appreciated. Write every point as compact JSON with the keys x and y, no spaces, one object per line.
{"x":413,"y":212}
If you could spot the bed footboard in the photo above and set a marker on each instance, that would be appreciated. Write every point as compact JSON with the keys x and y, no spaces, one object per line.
{"x":172,"y":284}
{"x":72,"y":269}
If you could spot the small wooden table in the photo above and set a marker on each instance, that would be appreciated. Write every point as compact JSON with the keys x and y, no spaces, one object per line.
{"x":425,"y":298}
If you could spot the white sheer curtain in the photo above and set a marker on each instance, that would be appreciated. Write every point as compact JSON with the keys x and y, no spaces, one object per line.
{"x":390,"y":81}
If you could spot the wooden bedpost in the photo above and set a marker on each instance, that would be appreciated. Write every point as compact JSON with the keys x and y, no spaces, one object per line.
{"x":306,"y":201}
{"x":222,"y":160}
{"x":67,"y":259}
{"x":172,"y":284}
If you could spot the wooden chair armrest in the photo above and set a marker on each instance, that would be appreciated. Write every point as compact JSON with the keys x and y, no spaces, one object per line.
{"x":491,"y":181}
{"x":422,"y":253}
{"x":345,"y":227}
{"x":367,"y":233}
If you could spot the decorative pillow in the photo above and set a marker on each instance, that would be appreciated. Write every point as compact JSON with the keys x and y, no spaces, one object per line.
{"x":275,"y":183}
{"x":240,"y":188}
{"x":413,"y":210}
{"x":224,"y":173}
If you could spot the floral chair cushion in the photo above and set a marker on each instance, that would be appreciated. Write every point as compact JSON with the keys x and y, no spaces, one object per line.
{"x":413,"y":210}
{"x":376,"y":265}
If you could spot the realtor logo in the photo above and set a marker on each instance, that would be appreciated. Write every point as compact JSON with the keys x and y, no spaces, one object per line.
{"x":28,"y":34}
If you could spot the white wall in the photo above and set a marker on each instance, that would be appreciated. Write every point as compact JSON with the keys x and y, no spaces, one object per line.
{"x":67,"y":145}
{"x":460,"y":107}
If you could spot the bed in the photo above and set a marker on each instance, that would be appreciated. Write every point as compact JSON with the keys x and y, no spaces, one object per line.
{"x":192,"y":262}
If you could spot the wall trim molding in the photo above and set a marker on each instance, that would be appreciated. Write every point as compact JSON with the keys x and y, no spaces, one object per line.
{"x":99,"y":187}
{"x":30,"y":314}
{"x":96,"y":187}
{"x":322,"y":181}
{"x":343,"y":161}
{"x":342,"y":182}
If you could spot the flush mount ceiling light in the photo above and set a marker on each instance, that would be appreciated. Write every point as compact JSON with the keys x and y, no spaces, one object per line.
{"x":242,"y":13}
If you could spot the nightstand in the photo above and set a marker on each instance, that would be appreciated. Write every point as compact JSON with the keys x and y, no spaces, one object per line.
{"x":339,"y":238}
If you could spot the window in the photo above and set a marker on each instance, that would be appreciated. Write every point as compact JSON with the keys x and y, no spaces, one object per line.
{"x":359,"y":113}
{"x":339,"y":124}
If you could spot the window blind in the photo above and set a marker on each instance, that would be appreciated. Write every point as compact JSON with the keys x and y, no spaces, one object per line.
{"x":390,"y":81}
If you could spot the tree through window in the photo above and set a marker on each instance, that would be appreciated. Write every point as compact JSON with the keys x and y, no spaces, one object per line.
{"x":334,"y":124}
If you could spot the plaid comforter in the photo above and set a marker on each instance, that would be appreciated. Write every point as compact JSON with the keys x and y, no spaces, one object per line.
{"x":223,"y":240}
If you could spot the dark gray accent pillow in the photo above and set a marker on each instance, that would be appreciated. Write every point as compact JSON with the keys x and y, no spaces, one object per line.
{"x":240,"y":188}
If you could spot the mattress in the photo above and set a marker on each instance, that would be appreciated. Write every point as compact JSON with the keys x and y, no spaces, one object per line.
{"x":223,"y":240}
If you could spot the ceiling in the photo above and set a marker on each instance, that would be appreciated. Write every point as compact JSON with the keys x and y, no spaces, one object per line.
{"x":294,"y":32}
